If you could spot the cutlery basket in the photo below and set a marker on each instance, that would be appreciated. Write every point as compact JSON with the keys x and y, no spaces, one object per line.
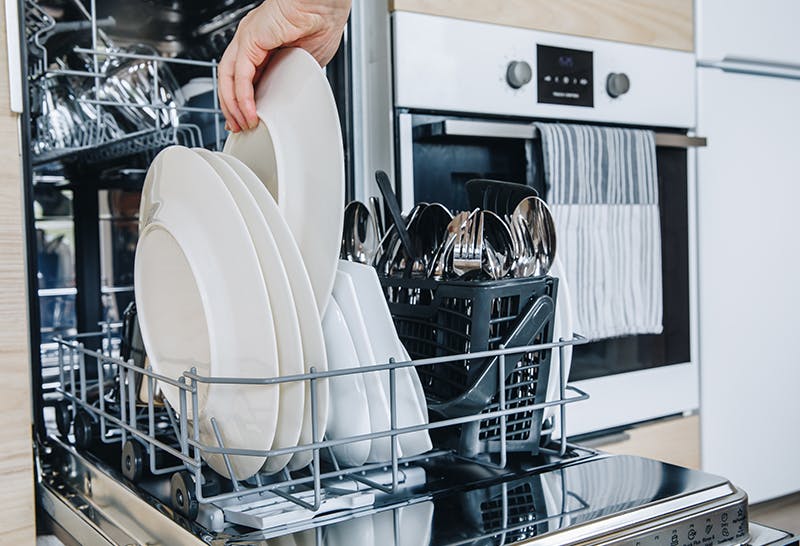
{"x":444,"y":318}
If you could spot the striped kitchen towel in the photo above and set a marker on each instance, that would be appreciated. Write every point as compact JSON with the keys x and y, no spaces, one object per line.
{"x":603,"y":192}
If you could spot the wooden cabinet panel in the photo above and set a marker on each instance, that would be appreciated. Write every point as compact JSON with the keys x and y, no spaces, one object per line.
{"x":17,"y":510}
{"x":656,"y":23}
{"x":675,"y":441}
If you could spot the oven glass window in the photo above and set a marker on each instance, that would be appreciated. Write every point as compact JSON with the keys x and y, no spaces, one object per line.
{"x":672,"y":346}
{"x":442,"y":166}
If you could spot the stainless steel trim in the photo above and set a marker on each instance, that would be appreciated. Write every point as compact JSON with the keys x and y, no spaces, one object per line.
{"x":630,"y":525}
{"x":485,"y":129}
{"x":69,"y":515}
{"x":14,"y":56}
{"x":499,"y":129}
{"x":96,"y":508}
{"x":673,"y":140}
{"x":373,"y":134}
{"x":754,"y":67}
{"x":406,"y":153}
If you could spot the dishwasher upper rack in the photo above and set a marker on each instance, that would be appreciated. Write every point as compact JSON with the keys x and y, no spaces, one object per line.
{"x":97,"y":135}
{"x":165,"y":434}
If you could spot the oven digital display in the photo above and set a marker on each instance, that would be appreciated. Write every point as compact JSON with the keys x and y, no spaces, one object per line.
{"x":565,"y":76}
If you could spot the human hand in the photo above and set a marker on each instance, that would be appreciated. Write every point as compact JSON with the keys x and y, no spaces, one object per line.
{"x":314,"y":25}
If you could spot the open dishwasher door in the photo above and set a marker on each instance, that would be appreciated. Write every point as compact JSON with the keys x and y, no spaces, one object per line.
{"x":583,"y":498}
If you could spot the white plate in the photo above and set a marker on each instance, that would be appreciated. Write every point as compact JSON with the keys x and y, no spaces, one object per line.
{"x":416,"y":524}
{"x":297,"y":153}
{"x":562,"y":328}
{"x":356,"y":531}
{"x":348,"y":415}
{"x":307,"y":313}
{"x":285,"y":540}
{"x":383,"y":527}
{"x":423,"y":403}
{"x":202,"y":301}
{"x":284,"y":316}
{"x":379,"y":412}
{"x":385,"y":344}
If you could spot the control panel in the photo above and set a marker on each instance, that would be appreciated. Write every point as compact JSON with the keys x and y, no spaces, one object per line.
{"x":565,"y":76}
{"x":728,"y":526}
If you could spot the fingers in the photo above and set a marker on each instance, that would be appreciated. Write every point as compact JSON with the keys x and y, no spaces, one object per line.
{"x":244,"y":73}
{"x":229,"y":126}
{"x":236,"y":121}
{"x":260,"y":69}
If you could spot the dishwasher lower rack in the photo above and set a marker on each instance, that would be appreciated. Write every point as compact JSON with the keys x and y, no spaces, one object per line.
{"x":109,"y":409}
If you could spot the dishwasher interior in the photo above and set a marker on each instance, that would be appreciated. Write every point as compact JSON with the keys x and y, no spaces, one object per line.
{"x":109,"y":84}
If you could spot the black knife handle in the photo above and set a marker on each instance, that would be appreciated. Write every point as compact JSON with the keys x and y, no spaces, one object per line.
{"x":390,"y":199}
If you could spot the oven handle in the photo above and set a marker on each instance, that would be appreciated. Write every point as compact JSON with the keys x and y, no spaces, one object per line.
{"x":480,"y":129}
{"x":755,"y":67}
{"x":525,"y":131}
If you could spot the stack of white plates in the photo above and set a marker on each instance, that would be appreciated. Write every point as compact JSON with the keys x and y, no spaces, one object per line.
{"x":235,"y":267}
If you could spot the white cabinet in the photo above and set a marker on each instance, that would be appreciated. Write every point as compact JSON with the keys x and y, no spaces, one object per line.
{"x":749,"y":285}
{"x":754,"y":29}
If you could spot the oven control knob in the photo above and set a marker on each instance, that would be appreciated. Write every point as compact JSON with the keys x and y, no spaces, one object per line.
{"x":518,"y":74}
{"x":617,"y":84}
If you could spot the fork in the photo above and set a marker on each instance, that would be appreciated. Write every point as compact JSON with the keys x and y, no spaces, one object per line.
{"x":468,"y":247}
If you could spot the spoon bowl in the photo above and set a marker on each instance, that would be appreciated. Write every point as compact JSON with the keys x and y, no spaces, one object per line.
{"x":535,"y":232}
{"x":498,"y":252}
{"x":360,"y":236}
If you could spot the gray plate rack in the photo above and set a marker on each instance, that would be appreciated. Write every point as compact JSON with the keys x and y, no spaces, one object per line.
{"x":99,"y":404}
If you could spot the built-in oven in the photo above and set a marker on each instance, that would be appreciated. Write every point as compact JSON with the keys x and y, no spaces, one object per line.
{"x":466,"y":100}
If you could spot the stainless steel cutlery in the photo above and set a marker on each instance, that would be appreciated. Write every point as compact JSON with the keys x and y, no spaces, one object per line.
{"x":535,"y":233}
{"x":472,"y":244}
{"x":360,"y":239}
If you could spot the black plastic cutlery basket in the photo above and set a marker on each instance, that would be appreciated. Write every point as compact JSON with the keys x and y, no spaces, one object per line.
{"x":453,"y":317}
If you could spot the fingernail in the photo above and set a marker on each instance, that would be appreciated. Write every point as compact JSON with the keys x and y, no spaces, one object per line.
{"x":227,"y":126}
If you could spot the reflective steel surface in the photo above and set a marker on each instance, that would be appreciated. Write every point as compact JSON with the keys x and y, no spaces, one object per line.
{"x":591,"y":499}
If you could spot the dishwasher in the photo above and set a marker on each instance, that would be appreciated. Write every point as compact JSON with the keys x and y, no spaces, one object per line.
{"x":108,"y":85}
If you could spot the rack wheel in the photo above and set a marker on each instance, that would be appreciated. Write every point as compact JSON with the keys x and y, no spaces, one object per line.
{"x":63,"y":417}
{"x":85,"y":429}
{"x":133,"y":460}
{"x":184,"y":500}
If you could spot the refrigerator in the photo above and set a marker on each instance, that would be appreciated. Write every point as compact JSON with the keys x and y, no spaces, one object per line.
{"x":748,"y":89}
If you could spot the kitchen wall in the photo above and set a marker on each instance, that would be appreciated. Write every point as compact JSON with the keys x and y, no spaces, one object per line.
{"x":17,"y":510}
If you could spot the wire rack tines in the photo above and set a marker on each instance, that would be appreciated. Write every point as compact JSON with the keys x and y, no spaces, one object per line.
{"x":113,"y":401}
{"x":105,"y":101}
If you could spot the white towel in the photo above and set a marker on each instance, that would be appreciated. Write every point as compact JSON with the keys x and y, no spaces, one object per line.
{"x":603,"y":192}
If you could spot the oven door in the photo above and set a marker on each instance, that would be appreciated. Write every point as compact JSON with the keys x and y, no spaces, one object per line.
{"x":632,"y":378}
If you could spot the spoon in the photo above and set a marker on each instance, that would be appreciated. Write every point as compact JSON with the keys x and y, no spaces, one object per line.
{"x":360,"y":238}
{"x":375,"y":208}
{"x":535,"y":232}
{"x":441,"y":263}
{"x":498,"y":246}
{"x":427,"y":235}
